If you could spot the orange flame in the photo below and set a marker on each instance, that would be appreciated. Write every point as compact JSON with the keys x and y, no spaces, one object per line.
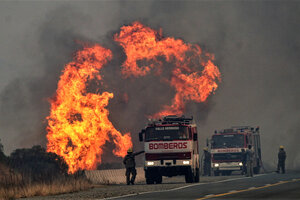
{"x":78,"y":125}
{"x":194,"y":75}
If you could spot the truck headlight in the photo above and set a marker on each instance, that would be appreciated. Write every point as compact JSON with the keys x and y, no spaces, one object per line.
{"x":186,"y":162}
{"x":150,"y":163}
{"x":216,"y":165}
{"x":240,"y":164}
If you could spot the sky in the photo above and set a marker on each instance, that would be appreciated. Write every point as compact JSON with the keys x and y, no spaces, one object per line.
{"x":256,"y":46}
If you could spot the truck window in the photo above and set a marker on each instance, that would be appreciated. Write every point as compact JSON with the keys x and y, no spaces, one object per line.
{"x":167,"y":133}
{"x":228,"y":141}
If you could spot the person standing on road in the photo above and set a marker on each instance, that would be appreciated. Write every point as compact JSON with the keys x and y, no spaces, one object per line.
{"x":281,"y":160}
{"x":207,"y":162}
{"x":249,"y":157}
{"x":129,"y":162}
{"x":244,"y":161}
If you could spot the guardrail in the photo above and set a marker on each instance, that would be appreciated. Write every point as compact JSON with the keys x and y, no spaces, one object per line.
{"x":112,"y":176}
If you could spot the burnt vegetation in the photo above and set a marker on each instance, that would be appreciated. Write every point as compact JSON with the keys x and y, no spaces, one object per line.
{"x":34,"y":171}
{"x":37,"y":164}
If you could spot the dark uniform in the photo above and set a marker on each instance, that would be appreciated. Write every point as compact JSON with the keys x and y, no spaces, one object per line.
{"x":129,"y":162}
{"x":249,"y":156}
{"x":281,"y":160}
{"x":244,"y":161}
{"x":207,"y":163}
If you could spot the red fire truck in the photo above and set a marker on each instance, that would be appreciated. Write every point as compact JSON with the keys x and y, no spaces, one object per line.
{"x":171,"y":149}
{"x":226,"y":149}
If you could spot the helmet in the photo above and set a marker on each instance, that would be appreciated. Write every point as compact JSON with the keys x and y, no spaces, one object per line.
{"x":205,"y":148}
{"x":129,"y":150}
{"x":281,"y":147}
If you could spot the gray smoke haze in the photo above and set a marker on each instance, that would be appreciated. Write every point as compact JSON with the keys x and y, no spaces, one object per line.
{"x":256,"y":45}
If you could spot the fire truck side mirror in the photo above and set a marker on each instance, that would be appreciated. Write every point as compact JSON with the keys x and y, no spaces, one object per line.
{"x":141,"y":135}
{"x":195,"y":137}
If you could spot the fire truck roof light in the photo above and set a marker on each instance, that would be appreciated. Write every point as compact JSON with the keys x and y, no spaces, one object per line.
{"x":173,"y":119}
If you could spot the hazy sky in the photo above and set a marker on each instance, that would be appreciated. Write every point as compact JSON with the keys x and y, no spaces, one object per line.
{"x":256,"y":45}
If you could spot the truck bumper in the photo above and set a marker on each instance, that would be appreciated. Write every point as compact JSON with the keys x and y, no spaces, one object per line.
{"x":227,"y":166}
{"x":167,"y":163}
{"x":168,"y":167}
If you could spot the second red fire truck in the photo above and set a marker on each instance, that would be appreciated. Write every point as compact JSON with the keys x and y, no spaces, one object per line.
{"x":226,"y":149}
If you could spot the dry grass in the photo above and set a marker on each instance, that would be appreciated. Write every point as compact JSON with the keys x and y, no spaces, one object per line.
{"x":14,"y":186}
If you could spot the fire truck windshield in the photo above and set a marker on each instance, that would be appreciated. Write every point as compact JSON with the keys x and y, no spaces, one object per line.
{"x":167,"y":133}
{"x":227,"y":141}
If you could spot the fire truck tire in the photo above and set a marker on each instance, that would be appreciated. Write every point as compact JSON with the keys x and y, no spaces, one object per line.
{"x":197,"y":177}
{"x":189,"y":176}
{"x":149,"y":177}
{"x":216,"y":173}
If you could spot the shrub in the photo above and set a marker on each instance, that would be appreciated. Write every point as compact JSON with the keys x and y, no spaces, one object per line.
{"x":37,"y":164}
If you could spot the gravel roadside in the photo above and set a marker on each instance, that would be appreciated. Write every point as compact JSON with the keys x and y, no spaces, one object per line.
{"x":106,"y":191}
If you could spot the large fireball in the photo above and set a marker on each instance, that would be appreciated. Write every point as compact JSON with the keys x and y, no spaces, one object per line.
{"x":194,"y":76}
{"x":78,"y":125}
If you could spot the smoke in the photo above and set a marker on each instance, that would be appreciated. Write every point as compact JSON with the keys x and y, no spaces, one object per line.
{"x":256,"y":45}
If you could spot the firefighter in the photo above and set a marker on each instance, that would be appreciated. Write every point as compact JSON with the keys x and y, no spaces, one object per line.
{"x":207,"y":162}
{"x":244,"y":161}
{"x":129,"y":162}
{"x":281,"y":160}
{"x":249,"y":160}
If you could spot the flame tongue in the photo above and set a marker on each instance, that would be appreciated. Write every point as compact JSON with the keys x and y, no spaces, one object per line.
{"x":193,"y":77}
{"x":78,"y":124}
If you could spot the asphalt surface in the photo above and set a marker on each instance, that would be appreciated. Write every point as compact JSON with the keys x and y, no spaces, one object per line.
{"x":113,"y":190}
{"x":262,"y":186}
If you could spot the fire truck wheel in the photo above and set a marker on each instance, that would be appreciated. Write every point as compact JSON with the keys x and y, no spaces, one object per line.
{"x":189,"y":176}
{"x":149,"y":177}
{"x":197,"y":177}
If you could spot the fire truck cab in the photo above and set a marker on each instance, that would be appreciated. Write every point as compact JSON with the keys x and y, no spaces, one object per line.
{"x":226,"y":149}
{"x":171,"y":149}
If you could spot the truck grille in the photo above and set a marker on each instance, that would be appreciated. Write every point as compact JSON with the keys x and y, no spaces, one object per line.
{"x":227,"y":157}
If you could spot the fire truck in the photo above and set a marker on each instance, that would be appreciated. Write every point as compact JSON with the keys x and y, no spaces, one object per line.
{"x":226,"y":149}
{"x":171,"y":149}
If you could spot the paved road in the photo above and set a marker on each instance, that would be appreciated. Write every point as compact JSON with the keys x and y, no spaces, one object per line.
{"x":263,"y":186}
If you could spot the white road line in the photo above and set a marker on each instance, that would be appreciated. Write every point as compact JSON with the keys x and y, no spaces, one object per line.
{"x":126,"y":195}
{"x":179,"y":188}
{"x":267,"y":184}
{"x":209,"y":195}
{"x":232,"y":191}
